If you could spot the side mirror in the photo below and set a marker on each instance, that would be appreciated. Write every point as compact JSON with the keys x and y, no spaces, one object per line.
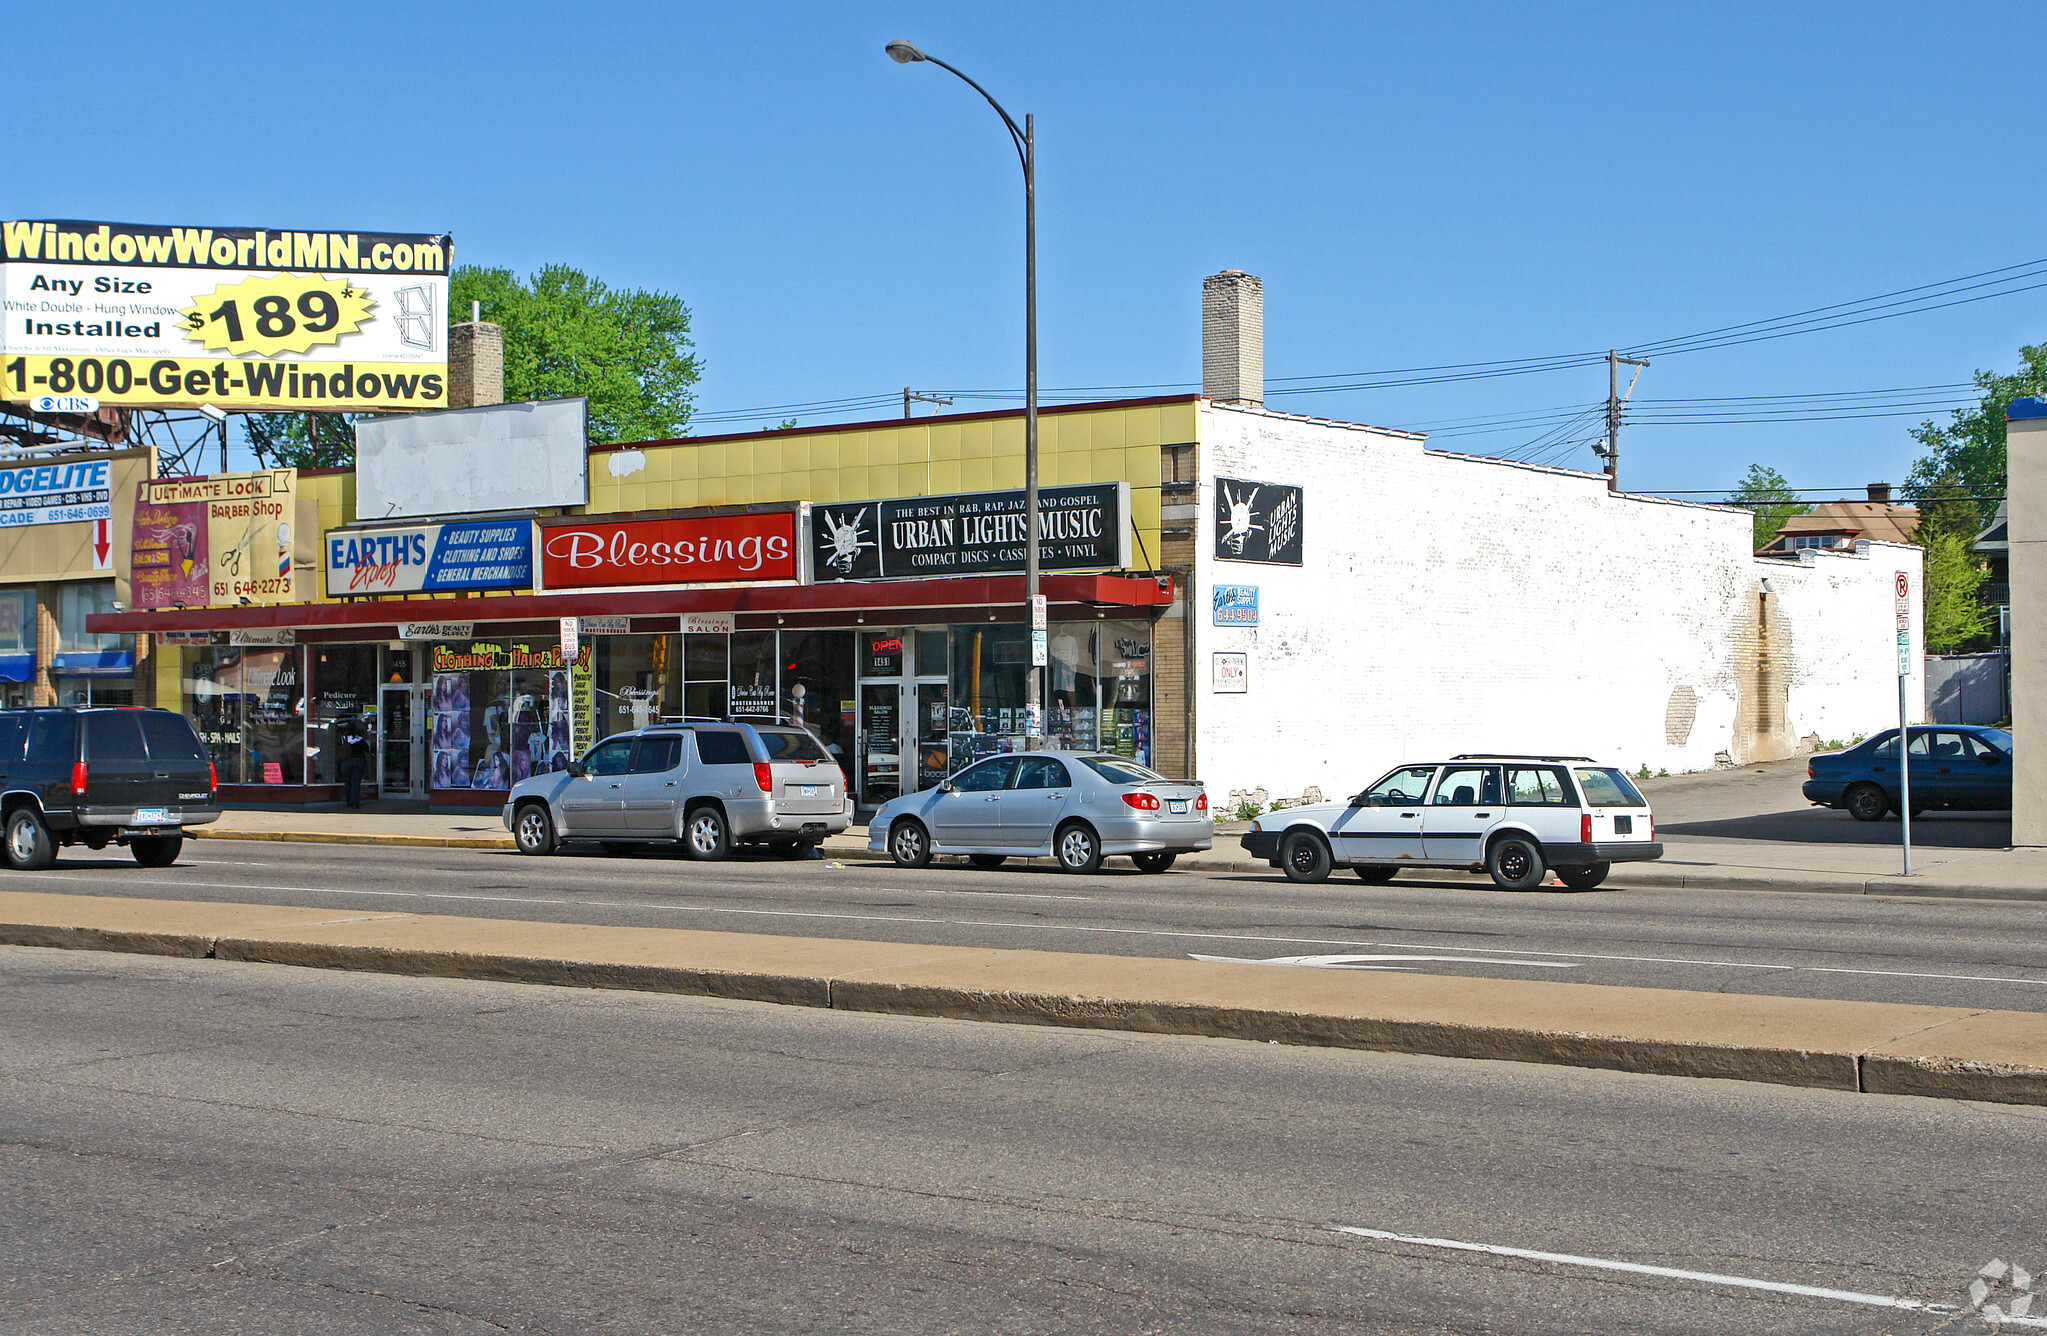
{"x":1357,"y":800}
{"x":945,"y":786}
{"x":576,"y":769}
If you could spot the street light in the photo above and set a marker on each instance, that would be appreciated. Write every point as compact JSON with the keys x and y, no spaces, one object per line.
{"x":905,"y":54}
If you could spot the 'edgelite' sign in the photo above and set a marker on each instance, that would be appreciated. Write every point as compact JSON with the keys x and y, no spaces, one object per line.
{"x":982,"y":533}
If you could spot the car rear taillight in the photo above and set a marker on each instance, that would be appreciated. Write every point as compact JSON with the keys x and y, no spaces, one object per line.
{"x":1143,"y":802}
{"x":78,"y":777}
{"x":764,"y":775}
{"x":1201,"y":803}
{"x":1811,"y":773}
{"x":212,"y":778}
{"x":1584,"y":827}
{"x":1652,"y":825}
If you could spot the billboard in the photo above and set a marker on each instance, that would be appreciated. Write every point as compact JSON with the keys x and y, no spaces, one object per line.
{"x":982,"y":533}
{"x":218,"y":541}
{"x":428,"y":558}
{"x":44,"y":536}
{"x":239,"y":318}
{"x":696,"y":549}
{"x":525,"y":456}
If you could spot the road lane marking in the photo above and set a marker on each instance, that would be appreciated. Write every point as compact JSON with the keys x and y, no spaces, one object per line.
{"x":1374,"y":962}
{"x":1673,"y":1273}
{"x":1163,"y":933}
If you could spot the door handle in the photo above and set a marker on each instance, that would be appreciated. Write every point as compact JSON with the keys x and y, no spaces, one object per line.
{"x":671,"y":783}
{"x":1480,"y":816}
{"x":1407,"y":816}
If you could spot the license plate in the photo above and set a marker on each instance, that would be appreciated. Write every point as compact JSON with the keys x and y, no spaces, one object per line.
{"x":1176,"y":805}
{"x":810,"y":790}
{"x":149,"y":816}
{"x":1624,"y":825}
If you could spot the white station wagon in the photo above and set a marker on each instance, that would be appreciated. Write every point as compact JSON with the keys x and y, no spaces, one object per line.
{"x":1514,"y":817}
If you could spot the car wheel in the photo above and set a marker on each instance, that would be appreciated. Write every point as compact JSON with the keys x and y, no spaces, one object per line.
{"x":706,"y":834}
{"x":1866,"y":802}
{"x":1077,"y":847}
{"x":156,"y":850}
{"x":987,"y":861}
{"x":909,"y":844}
{"x":1376,"y":876}
{"x":533,"y":830}
{"x":1515,"y":862}
{"x":1304,"y":857}
{"x":29,"y":846}
{"x":1153,"y":862}
{"x":1585,"y":876}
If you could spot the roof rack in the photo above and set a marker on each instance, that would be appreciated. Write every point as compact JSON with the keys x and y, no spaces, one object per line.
{"x":1513,"y":756}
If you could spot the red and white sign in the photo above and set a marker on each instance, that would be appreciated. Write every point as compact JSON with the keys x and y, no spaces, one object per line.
{"x":102,"y":545}
{"x":570,"y":639}
{"x":707,"y":550}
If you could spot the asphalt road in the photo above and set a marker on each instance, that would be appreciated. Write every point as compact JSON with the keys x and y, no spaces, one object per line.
{"x":1941,"y":952}
{"x":200,"y":1146}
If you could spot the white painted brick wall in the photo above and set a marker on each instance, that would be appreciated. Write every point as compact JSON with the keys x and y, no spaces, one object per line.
{"x":1453,"y":604}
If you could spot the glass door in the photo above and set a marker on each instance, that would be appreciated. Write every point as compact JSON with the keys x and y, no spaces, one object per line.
{"x":399,"y":742}
{"x":880,"y":742}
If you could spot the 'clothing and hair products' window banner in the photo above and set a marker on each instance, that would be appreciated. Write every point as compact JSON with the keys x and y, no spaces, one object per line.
{"x":501,"y":713}
{"x":218,"y":541}
{"x":1257,"y":521}
{"x":690,"y":549}
{"x":237,"y":318}
{"x":429,"y":557}
{"x":983,"y":533}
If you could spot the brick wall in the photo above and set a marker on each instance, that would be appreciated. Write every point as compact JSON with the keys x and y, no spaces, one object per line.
{"x":476,"y":365}
{"x":1452,"y":604}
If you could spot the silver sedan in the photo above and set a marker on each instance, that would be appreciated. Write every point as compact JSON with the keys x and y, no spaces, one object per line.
{"x":1077,"y":807}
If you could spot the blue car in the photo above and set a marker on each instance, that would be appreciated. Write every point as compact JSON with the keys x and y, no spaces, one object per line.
{"x":1960,"y":768}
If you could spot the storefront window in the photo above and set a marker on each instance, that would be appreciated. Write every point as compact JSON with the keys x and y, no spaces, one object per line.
{"x":85,"y":668}
{"x":817,"y":687}
{"x":17,"y":644}
{"x":503,"y":712}
{"x":344,"y":688}
{"x":1097,"y":685}
{"x":247,"y":705}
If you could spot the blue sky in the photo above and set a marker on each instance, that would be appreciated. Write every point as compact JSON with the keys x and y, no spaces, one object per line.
{"x":1417,"y":185}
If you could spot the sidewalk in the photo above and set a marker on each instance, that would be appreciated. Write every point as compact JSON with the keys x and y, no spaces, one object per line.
{"x":1700,"y":863}
{"x":1882,"y":1048}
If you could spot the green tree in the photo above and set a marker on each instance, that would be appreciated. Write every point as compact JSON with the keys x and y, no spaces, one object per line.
{"x":1765,"y":493}
{"x":568,"y":334}
{"x":1957,"y":481}
{"x":301,"y":440}
{"x":1956,"y":619}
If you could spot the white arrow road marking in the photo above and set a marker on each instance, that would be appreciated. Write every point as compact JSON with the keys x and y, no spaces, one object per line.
{"x":1375,"y":962}
{"x":1672,"y":1273}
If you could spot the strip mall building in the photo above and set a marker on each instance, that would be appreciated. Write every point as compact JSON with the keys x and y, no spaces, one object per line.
{"x":1260,"y":600}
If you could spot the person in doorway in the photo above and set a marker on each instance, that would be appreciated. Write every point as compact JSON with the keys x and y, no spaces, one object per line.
{"x":354,"y":756}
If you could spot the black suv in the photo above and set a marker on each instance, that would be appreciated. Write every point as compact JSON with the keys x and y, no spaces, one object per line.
{"x":97,"y":777}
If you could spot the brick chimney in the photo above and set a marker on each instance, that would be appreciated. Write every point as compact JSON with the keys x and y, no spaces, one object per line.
{"x":476,"y":364}
{"x":1880,"y":492}
{"x":1233,"y":338}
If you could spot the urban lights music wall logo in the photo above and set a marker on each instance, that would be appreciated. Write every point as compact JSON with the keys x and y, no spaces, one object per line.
{"x":1257,"y":521}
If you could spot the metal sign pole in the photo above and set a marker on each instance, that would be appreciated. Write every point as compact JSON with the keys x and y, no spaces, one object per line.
{"x":1904,"y":775}
{"x":1904,"y":610}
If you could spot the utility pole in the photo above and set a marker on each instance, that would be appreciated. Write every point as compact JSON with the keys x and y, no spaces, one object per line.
{"x":1615,"y":401}
{"x":910,"y":395}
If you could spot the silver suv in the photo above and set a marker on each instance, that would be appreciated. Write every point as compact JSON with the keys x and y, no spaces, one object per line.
{"x":710,"y":786}
{"x":1514,"y":817}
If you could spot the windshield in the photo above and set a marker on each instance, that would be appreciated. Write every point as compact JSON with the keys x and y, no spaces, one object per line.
{"x":791,"y":744}
{"x":1608,"y":788}
{"x":1119,"y":771}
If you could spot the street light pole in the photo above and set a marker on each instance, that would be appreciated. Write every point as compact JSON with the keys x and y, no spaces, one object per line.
{"x":904,"y":54}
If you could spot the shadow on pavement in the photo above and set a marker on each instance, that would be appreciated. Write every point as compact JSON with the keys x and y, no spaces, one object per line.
{"x":1820,"y":825}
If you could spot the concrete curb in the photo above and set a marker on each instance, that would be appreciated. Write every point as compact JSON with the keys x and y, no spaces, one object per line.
{"x":1947,"y":1053}
{"x":338,"y":837}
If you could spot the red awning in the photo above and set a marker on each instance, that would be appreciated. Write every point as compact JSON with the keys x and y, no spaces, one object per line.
{"x":852,"y":596}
